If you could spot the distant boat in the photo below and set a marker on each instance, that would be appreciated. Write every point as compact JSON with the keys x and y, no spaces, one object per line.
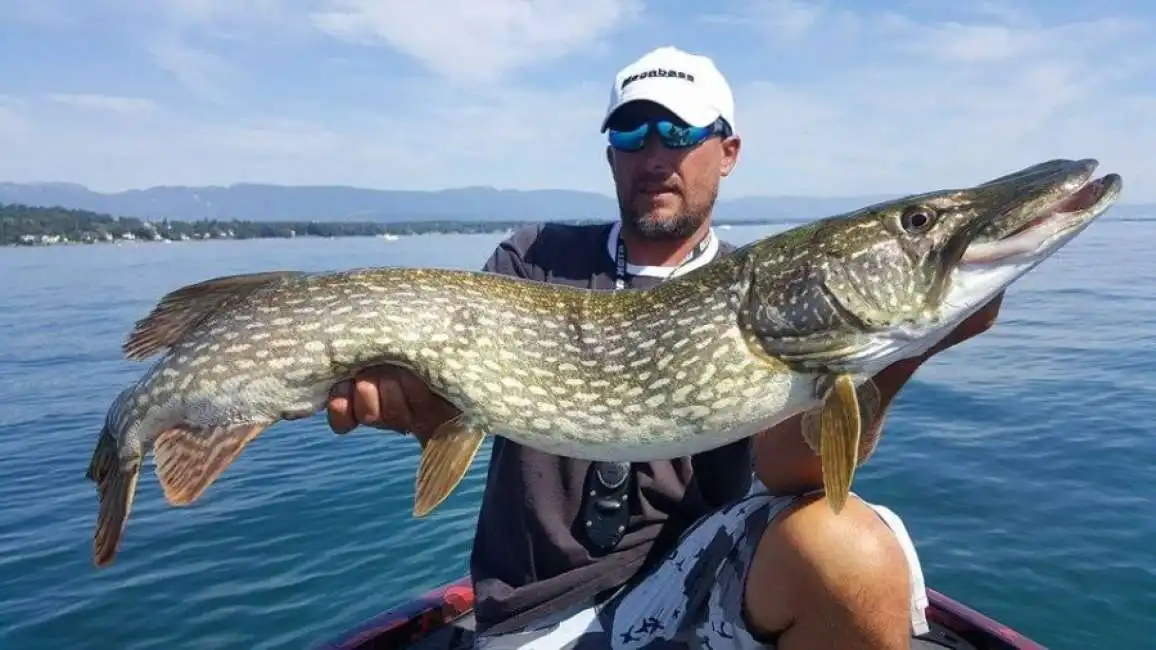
{"x":389,"y":237}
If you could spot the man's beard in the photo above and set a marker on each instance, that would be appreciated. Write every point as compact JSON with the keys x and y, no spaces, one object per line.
{"x":682,"y":226}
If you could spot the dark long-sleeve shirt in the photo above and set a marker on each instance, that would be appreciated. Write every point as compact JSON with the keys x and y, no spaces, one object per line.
{"x":528,"y":556}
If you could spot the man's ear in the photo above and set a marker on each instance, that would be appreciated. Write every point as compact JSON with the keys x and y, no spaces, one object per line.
{"x":730,"y":158}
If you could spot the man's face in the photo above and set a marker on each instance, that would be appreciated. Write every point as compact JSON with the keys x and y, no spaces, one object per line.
{"x":667,"y":193}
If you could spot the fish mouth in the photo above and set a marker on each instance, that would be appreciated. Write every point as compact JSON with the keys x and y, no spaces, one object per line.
{"x":1056,"y":223}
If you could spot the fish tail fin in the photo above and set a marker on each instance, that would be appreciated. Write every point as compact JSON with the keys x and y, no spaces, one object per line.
{"x":115,"y":488}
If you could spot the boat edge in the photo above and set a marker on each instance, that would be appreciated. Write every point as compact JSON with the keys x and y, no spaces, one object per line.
{"x":416,"y":619}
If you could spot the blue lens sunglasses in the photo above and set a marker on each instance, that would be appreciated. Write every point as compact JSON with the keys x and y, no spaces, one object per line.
{"x":673,"y":136}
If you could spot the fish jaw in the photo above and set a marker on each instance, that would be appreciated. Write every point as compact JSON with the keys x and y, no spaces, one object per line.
{"x":1026,"y":243}
{"x":990,"y":267}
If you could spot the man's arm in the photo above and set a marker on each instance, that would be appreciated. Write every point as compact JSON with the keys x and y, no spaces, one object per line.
{"x":507,"y":258}
{"x":820,"y":580}
{"x":785,"y":463}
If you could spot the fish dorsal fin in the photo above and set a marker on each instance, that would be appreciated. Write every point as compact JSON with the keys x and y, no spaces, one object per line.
{"x":179,"y":311}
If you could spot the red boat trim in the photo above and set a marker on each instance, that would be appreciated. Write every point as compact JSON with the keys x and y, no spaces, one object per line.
{"x":414,"y":620}
{"x":967,"y":622}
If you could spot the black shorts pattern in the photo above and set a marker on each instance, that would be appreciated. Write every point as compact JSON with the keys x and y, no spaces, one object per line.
{"x":693,"y":599}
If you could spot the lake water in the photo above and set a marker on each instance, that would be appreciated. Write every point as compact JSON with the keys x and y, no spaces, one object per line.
{"x":1022,"y":463}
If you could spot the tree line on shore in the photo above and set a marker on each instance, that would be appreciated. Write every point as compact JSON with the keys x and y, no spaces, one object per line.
{"x":31,"y":226}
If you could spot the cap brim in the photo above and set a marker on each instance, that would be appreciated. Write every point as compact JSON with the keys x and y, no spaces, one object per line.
{"x":672,"y":98}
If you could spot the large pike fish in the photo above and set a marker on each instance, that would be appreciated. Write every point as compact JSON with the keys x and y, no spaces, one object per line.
{"x":795,"y":323}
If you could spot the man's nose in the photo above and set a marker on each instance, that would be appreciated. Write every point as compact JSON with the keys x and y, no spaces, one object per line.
{"x":655,"y":155}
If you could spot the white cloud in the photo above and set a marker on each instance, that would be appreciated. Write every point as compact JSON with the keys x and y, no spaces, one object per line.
{"x":897,"y":105}
{"x":270,"y":21}
{"x":205,"y":74}
{"x":471,"y":41}
{"x":37,"y":13}
{"x":784,"y":19}
{"x":508,"y":138}
{"x":990,"y":43}
{"x":946,"y":103}
{"x":110,"y":103}
{"x":14,"y":125}
{"x":194,"y":12}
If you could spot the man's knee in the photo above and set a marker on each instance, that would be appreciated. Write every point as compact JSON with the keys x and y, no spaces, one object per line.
{"x":827,"y":580}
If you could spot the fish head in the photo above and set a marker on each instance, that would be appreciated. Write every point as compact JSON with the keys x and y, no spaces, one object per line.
{"x":858,"y":291}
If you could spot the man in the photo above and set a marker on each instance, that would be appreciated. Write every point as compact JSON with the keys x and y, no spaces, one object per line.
{"x":557,"y":537}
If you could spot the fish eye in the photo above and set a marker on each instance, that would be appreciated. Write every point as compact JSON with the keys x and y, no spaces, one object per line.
{"x":917,"y":219}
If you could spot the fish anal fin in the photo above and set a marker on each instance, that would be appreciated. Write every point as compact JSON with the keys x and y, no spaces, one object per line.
{"x":181,"y":310}
{"x":839,"y":429}
{"x":115,"y":489}
{"x":445,"y":458}
{"x":189,"y":459}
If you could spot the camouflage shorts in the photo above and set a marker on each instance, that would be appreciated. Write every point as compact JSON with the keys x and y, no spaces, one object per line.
{"x":694,"y":598}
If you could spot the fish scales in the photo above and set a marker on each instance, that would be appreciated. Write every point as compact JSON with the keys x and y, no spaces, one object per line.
{"x":575,"y":372}
{"x":793,"y":324}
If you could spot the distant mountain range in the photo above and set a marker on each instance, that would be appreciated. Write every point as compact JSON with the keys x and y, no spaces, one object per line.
{"x":258,"y":202}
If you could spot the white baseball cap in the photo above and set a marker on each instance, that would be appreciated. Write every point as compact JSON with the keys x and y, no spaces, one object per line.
{"x":688,"y":85}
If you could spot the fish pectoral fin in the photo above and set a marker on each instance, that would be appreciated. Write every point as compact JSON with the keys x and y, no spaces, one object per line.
{"x":839,"y":429}
{"x":445,"y":459}
{"x":181,"y":310}
{"x":189,"y":459}
{"x":115,"y":490}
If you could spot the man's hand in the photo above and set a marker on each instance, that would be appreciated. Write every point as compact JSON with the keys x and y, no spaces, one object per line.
{"x":388,"y":397}
{"x":786,"y":465}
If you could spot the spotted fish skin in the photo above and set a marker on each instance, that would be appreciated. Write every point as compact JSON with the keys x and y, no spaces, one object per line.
{"x":601,"y":375}
{"x":794,"y":323}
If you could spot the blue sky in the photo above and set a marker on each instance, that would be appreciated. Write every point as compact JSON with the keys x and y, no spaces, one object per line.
{"x":832,"y":98}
